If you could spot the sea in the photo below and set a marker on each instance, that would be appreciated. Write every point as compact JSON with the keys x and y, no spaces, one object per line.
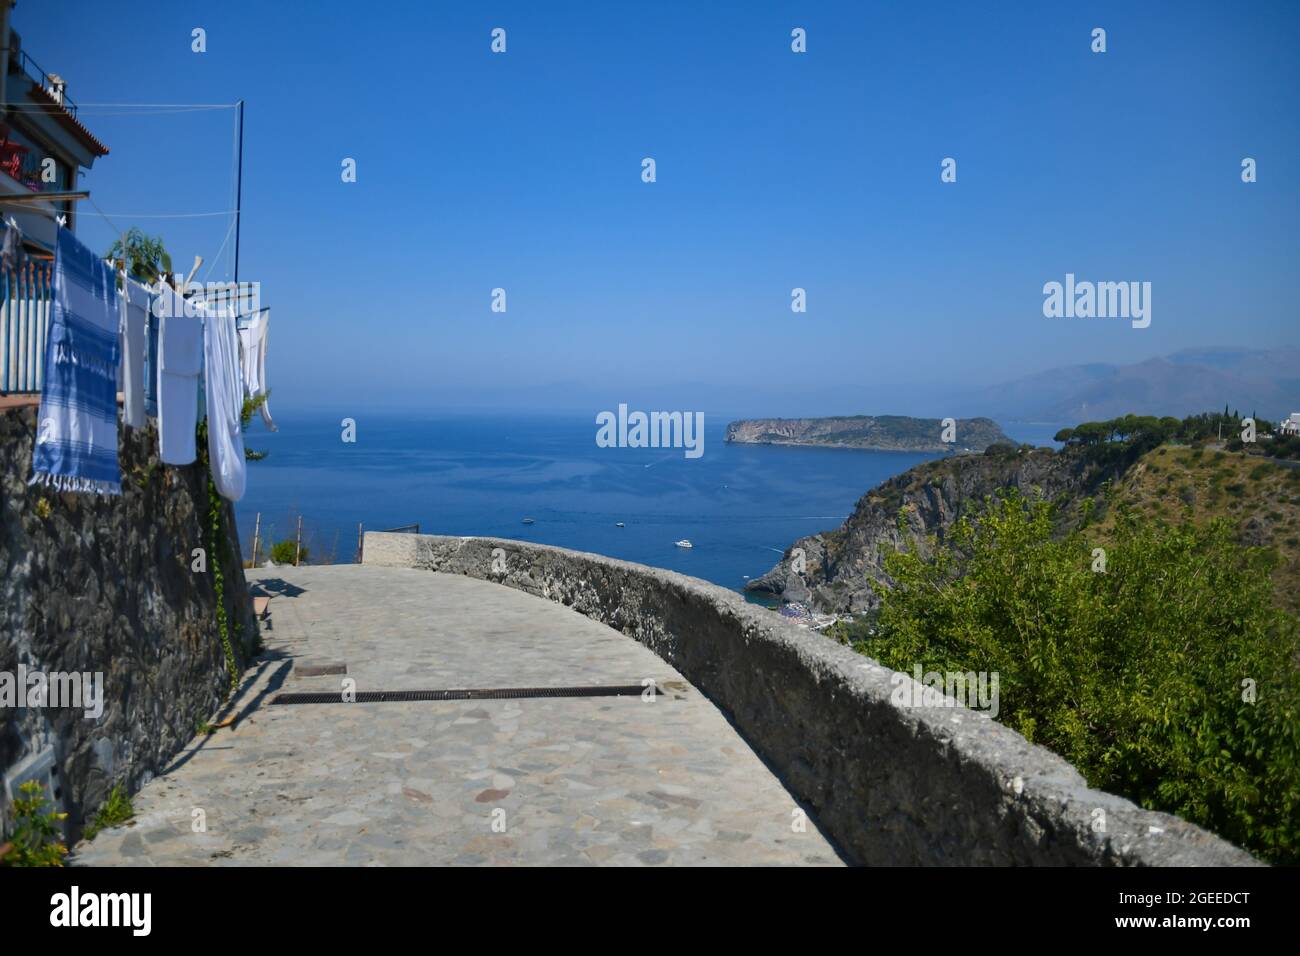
{"x":482,"y":474}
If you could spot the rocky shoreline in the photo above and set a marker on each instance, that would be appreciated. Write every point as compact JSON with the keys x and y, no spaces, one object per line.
{"x":832,"y":572}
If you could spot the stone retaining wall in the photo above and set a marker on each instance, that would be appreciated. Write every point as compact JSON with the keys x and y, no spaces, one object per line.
{"x":105,"y":584}
{"x":890,"y":784}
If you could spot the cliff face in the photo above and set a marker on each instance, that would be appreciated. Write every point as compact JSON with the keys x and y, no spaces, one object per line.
{"x":868,"y":432}
{"x":105,"y":584}
{"x":841,"y":564}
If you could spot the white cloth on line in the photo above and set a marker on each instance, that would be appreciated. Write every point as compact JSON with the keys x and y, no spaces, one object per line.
{"x":225,"y":402}
{"x":252,"y":363}
{"x":180,"y":358}
{"x":135,"y":303}
{"x":249,"y":347}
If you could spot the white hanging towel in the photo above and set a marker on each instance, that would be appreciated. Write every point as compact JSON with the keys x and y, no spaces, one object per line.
{"x":252,"y":342}
{"x":180,"y":358}
{"x":134,"y":303}
{"x":225,"y":401}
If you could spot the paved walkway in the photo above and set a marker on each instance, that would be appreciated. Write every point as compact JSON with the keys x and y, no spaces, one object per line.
{"x":612,"y":781}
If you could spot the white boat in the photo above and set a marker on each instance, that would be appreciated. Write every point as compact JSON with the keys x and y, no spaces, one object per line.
{"x":683,"y":543}
{"x":618,"y":524}
{"x":528,"y":521}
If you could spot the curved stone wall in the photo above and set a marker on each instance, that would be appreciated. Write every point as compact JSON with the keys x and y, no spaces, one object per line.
{"x":890,"y":784}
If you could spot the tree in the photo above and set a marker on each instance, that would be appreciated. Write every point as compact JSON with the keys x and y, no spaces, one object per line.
{"x":146,"y":258}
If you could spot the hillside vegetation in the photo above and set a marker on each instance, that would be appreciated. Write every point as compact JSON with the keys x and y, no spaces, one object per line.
{"x":1136,"y":593}
{"x":1164,"y":674}
{"x":1258,"y":498}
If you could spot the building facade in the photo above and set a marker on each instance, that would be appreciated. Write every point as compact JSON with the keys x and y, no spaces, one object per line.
{"x":44,"y":147}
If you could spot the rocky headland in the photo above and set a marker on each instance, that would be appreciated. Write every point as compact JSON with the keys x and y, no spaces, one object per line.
{"x":871,"y":433}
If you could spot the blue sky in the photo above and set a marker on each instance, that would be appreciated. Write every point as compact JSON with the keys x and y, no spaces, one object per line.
{"x":775,"y":170}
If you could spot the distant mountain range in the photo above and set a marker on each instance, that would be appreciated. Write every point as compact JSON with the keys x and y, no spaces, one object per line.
{"x":1266,"y":382}
{"x":1187,"y":382}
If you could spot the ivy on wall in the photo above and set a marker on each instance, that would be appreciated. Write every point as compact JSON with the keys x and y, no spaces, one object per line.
{"x":216,"y":549}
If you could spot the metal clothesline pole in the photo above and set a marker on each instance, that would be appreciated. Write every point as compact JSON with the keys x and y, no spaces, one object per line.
{"x":239,"y":190}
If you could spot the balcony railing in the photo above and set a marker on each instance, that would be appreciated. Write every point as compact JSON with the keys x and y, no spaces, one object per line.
{"x":24,"y":324}
{"x":24,"y":64}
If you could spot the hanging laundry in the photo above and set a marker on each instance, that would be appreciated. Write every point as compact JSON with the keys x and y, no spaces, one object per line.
{"x":151,"y":323}
{"x":180,"y":359}
{"x":252,"y":341}
{"x":76,"y":431}
{"x":225,"y":400}
{"x":135,"y":305}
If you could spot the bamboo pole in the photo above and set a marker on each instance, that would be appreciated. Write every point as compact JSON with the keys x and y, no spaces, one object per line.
{"x":298,"y":547}
{"x":360,"y":542}
{"x":257,"y":533}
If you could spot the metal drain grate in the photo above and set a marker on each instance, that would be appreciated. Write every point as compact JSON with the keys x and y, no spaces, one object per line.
{"x":492,"y":693}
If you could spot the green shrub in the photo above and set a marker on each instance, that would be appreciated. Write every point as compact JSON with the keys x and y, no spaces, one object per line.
{"x":1134,"y":675}
{"x":35,"y":839}
{"x":115,"y":810}
{"x":282,"y":552}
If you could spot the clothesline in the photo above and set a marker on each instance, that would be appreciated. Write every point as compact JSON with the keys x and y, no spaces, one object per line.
{"x":41,"y":108}
{"x":26,"y":207}
{"x":119,"y":231}
{"x":171,"y":215}
{"x":230,"y":229}
{"x":109,"y":218}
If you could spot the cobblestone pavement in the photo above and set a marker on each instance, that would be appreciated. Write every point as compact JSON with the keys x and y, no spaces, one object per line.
{"x":539,"y":781}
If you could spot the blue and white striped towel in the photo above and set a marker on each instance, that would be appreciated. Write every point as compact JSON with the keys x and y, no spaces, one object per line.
{"x":76,"y":432}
